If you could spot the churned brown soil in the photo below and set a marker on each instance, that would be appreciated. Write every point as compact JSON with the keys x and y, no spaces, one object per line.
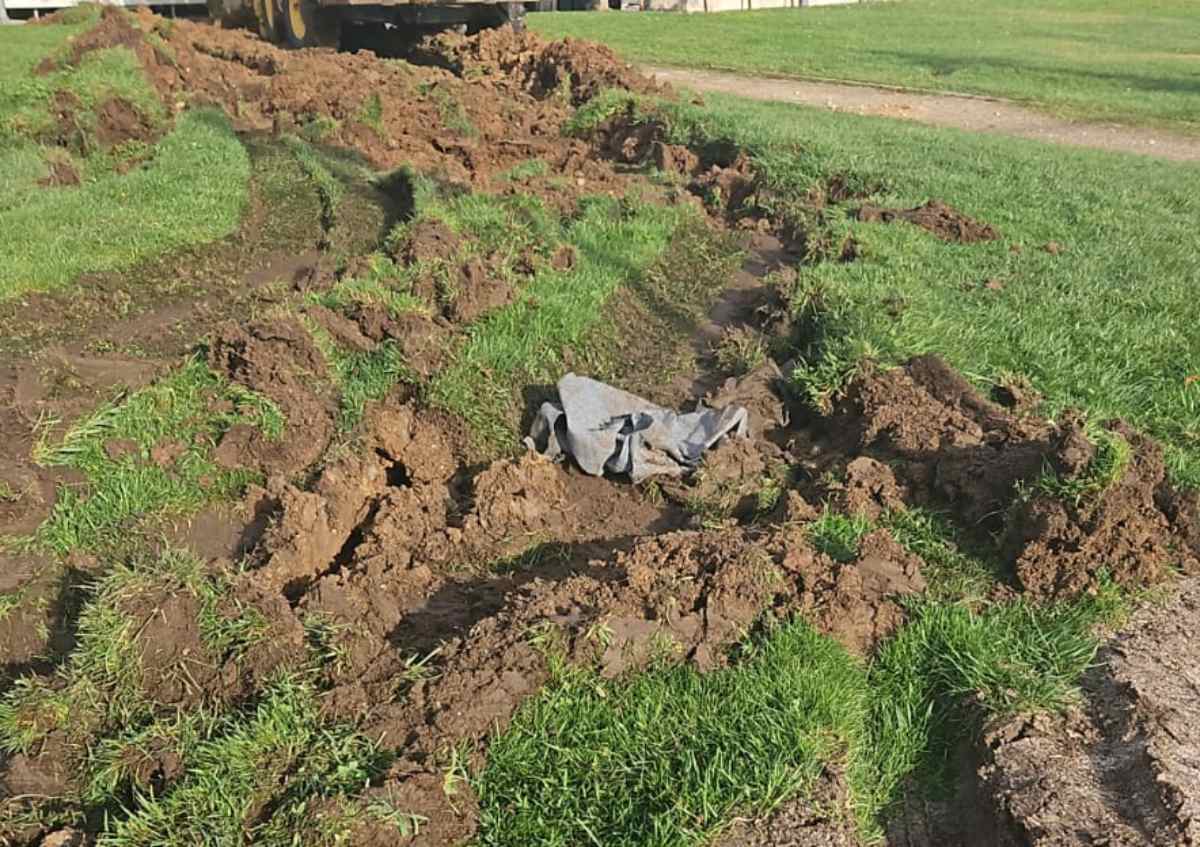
{"x":416,"y":555}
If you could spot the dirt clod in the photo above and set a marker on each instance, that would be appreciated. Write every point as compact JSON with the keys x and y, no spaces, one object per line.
{"x":278,"y":359}
{"x":1064,"y":547}
{"x":944,"y":221}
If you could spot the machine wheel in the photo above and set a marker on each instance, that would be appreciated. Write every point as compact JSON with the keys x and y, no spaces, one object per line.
{"x":306,"y":24}
{"x":264,"y":12}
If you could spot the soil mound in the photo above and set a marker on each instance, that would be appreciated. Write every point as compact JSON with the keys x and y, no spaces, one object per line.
{"x":922,"y":435}
{"x":1063,"y":545}
{"x":944,"y":221}
{"x":578,"y":70}
{"x":486,"y":106}
{"x":941,"y":441}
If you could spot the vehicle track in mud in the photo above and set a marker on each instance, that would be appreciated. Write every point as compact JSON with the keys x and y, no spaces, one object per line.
{"x":410,"y":554}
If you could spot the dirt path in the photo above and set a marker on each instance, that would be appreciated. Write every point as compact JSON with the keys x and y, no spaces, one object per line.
{"x":976,"y":114}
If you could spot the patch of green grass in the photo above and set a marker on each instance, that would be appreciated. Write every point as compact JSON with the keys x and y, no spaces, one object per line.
{"x":258,"y":408}
{"x":99,"y":688}
{"x":371,"y":113}
{"x":361,"y":376}
{"x":29,"y":710}
{"x":668,"y":302}
{"x":615,"y":241}
{"x":1113,"y":331}
{"x":1098,"y":59}
{"x":9,"y":600}
{"x":25,"y":47}
{"x":279,"y":754}
{"x":740,"y":350}
{"x":1108,"y":465}
{"x":122,"y":490}
{"x":368,"y":377}
{"x":954,"y":567}
{"x":100,"y":683}
{"x":607,"y":104}
{"x":838,"y":536}
{"x":527,"y":170}
{"x":114,"y":72}
{"x":671,"y":756}
{"x":1007,"y":659}
{"x":275,"y":752}
{"x":385,"y":284}
{"x":321,"y":635}
{"x":450,"y":109}
{"x":506,"y":225}
{"x":22,"y":166}
{"x":318,"y":129}
{"x":192,"y":192}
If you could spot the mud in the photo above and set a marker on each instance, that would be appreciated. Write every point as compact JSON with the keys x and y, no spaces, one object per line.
{"x":946,"y":222}
{"x":278,"y":359}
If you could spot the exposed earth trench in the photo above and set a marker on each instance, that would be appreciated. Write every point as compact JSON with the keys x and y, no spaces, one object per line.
{"x":390,"y":535}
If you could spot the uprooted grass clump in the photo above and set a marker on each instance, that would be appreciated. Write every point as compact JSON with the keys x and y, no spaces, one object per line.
{"x":1106,"y":467}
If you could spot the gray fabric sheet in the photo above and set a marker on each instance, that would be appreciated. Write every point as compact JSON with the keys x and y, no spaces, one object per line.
{"x":607,"y":429}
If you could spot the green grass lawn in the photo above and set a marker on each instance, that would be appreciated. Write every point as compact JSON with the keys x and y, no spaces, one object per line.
{"x":189,"y":188}
{"x":1097,"y":59}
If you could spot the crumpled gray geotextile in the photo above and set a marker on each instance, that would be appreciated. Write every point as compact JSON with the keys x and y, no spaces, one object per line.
{"x":606,"y":429}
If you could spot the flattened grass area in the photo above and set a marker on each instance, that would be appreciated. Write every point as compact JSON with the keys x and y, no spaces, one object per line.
{"x":188,"y":189}
{"x":1091,"y":59}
